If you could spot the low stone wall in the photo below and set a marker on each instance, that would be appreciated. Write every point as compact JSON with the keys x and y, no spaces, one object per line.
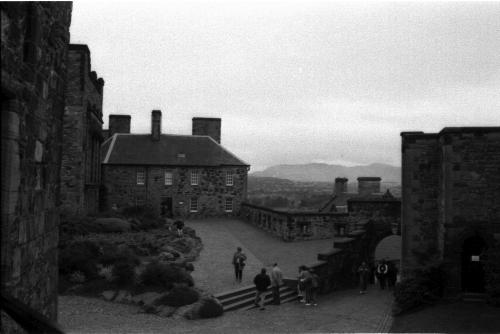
{"x":294,"y":226}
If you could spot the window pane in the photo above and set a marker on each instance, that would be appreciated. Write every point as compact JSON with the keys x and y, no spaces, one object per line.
{"x":141,"y":177}
{"x":195,"y":178}
{"x":229,"y":178}
{"x":229,"y":205}
{"x":193,"y":207}
{"x":168,"y":178}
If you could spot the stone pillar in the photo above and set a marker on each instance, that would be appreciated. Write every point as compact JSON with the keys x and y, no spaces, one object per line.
{"x":340,"y":186}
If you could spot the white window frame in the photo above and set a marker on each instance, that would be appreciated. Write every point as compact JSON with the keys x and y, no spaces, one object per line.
{"x":169,"y":178}
{"x":195,"y":177}
{"x":140,"y":177}
{"x":228,"y":204}
{"x":229,"y":179}
{"x":193,"y":204}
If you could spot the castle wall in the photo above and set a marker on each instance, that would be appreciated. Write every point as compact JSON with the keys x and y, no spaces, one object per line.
{"x":122,"y":190}
{"x":80,"y":173}
{"x":34,"y":44}
{"x":420,"y":190}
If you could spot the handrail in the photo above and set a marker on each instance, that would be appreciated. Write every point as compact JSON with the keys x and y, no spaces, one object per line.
{"x":29,"y":319}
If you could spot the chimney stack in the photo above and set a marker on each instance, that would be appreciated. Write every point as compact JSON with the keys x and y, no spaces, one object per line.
{"x":203,"y":126}
{"x":155,"y":125}
{"x":119,"y":124}
{"x":340,"y":186}
{"x":368,"y":185}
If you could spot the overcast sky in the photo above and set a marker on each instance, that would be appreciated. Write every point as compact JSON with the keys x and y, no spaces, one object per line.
{"x":298,"y":82}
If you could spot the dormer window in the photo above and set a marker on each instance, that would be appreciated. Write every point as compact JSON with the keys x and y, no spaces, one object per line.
{"x":181,"y":155}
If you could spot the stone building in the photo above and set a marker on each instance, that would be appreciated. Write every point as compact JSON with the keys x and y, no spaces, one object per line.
{"x":451,"y":202}
{"x":82,"y":135}
{"x":34,"y":44}
{"x":178,"y":175}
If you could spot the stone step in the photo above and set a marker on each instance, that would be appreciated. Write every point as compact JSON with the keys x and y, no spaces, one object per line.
{"x":246,"y":299}
{"x":356,"y":233}
{"x":236,"y":298}
{"x":235,"y":292}
{"x":471,"y":297}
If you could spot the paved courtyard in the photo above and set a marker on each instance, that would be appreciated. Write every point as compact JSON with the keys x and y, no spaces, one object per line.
{"x":343,"y":311}
{"x":214,"y":271}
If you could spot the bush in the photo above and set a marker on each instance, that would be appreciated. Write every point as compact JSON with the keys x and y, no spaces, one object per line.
{"x":146,"y":215}
{"x":179,"y":296}
{"x":164,"y":275}
{"x":79,"y":256}
{"x":210,"y":308}
{"x":424,"y":289}
{"x":123,"y":273}
{"x":113,"y":254}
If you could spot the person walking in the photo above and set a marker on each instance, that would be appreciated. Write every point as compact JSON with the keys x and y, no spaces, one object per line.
{"x":392,"y":275}
{"x":262,"y":282}
{"x":363,"y":272}
{"x":382,"y":270}
{"x":179,"y":224}
{"x":239,"y":259}
{"x":300,"y":286}
{"x":306,"y":280}
{"x":314,"y":286}
{"x":276,"y":282}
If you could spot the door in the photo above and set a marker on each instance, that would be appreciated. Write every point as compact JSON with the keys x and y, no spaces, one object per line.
{"x":472,"y":267}
{"x":166,"y":207}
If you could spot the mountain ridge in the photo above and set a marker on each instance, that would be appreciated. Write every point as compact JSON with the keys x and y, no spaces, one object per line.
{"x":322,"y":172}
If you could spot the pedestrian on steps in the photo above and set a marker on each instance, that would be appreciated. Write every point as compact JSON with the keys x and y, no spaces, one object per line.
{"x":262,"y":282}
{"x":306,"y":280}
{"x":314,"y":286}
{"x":276,"y":282}
{"x":239,"y":259}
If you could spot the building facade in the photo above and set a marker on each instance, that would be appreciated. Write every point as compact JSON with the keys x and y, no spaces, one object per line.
{"x":82,"y":138}
{"x":34,"y":44}
{"x":451,"y":202}
{"x":178,"y":175}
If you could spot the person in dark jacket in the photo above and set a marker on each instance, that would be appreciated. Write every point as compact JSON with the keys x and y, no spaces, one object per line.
{"x":179,"y":224}
{"x":382,"y":270}
{"x":239,"y":259}
{"x":392,"y":274}
{"x":363,"y":272}
{"x":262,"y":281}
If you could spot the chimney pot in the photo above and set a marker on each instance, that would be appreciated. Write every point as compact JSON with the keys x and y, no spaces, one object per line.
{"x":156,"y":125}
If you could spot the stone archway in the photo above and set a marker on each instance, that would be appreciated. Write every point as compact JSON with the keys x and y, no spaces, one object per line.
{"x":389,"y":248}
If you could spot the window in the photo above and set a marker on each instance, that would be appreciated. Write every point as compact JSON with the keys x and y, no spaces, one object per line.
{"x":229,"y":178}
{"x":195,"y":178}
{"x":141,"y":177}
{"x":228,"y":206}
{"x":168,"y":178}
{"x":193,"y":205}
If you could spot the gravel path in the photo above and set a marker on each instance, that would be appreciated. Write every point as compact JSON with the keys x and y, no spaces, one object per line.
{"x":344,"y":311}
{"x":213,"y":269}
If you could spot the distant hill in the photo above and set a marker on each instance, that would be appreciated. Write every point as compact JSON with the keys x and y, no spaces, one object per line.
{"x":317,"y":172}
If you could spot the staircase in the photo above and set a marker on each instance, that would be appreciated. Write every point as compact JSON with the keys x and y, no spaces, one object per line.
{"x":472,"y":297}
{"x":243,"y":298}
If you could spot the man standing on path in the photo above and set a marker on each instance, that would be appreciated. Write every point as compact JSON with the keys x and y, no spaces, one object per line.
{"x":262,"y":282}
{"x":276,"y":282}
{"x":239,"y":259}
{"x":179,"y":224}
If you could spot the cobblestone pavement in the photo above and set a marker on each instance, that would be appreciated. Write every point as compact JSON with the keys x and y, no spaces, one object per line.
{"x":213,"y":269}
{"x":343,"y":311}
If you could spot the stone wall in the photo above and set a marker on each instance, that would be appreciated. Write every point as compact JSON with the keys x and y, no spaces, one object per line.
{"x":294,"y":226}
{"x":451,"y":191}
{"x":34,"y":44}
{"x":80,"y":173}
{"x":420,"y":190}
{"x":121,"y":189}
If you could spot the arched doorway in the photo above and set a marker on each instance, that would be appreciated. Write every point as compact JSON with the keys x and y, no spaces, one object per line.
{"x":472,"y":267}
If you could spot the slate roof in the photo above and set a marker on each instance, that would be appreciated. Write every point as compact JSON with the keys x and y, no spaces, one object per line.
{"x":173,"y":150}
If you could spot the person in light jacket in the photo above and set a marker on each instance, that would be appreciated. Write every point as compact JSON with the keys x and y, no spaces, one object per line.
{"x":276,"y":282}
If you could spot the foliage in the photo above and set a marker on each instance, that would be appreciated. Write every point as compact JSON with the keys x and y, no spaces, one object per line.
{"x":492,"y":274}
{"x":77,"y":277}
{"x":164,"y":275}
{"x":179,"y":296}
{"x":146,"y":215}
{"x":210,"y":308}
{"x":79,"y":256}
{"x":425,"y":288}
{"x":123,"y":273}
{"x":114,"y":254}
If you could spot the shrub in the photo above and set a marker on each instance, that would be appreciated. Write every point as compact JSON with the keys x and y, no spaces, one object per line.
{"x":210,"y":308}
{"x":123,"y":273}
{"x":179,"y":296}
{"x":77,"y":277}
{"x":164,"y":275}
{"x":114,"y":254}
{"x":146,"y":216}
{"x":79,"y":256}
{"x":424,"y":289}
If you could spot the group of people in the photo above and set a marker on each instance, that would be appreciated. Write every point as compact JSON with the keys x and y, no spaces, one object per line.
{"x":308,"y":281}
{"x":384,"y":272}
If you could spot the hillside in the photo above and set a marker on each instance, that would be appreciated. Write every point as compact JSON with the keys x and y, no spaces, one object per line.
{"x":316,"y":172}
